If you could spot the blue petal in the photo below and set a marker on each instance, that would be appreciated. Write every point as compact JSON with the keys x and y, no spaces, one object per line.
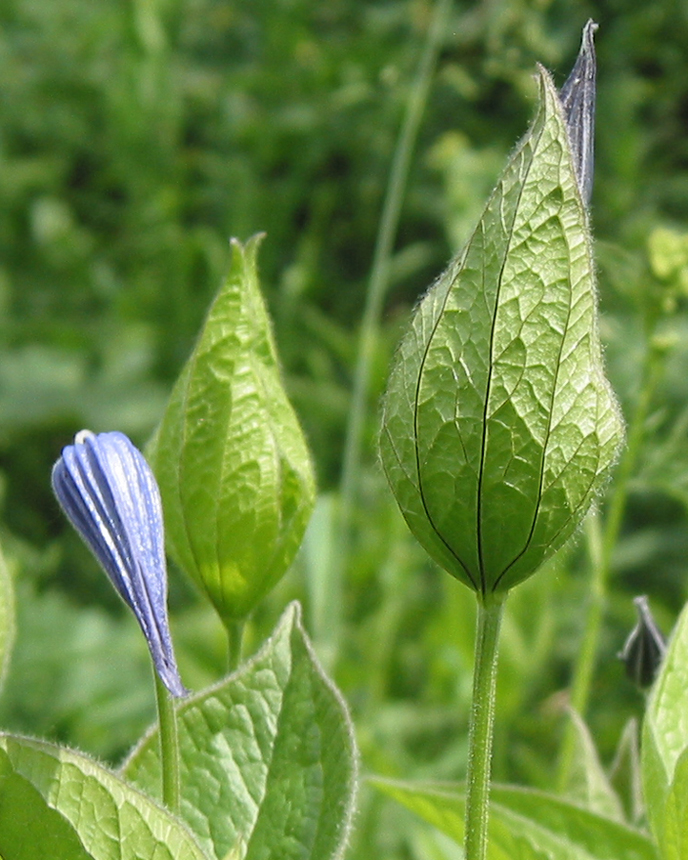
{"x":109,"y":493}
{"x":577,"y":98}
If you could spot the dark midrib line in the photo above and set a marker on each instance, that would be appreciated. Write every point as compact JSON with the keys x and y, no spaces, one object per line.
{"x":488,"y":387}
{"x":416,"y":398}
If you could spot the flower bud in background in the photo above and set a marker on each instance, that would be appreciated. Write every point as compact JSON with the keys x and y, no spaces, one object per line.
{"x":644,"y":648}
{"x":109,"y":494}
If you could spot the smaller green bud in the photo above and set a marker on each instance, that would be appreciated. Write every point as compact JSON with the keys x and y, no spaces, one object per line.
{"x":231,"y":460}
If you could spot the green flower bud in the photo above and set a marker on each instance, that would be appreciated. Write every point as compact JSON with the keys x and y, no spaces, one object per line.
{"x":230,"y":457}
{"x":499,"y":426}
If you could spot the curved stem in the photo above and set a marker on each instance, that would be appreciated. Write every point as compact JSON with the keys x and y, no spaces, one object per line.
{"x":379,"y":276}
{"x":169,"y":746}
{"x":601,"y":541}
{"x":481,"y":726}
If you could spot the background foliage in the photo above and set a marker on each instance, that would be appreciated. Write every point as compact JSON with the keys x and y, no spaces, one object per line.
{"x":135,"y":139}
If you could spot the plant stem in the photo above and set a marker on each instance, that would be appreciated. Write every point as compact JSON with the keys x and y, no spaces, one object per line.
{"x":379,"y":276}
{"x":480,"y":733}
{"x":169,"y":746}
{"x":601,"y":543}
{"x":235,"y":636}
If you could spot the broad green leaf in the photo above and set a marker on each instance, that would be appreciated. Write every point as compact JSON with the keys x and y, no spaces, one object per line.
{"x":60,"y":805}
{"x":24,"y":811}
{"x":233,"y":467}
{"x":7,"y":626}
{"x":499,"y":426}
{"x":664,"y":749}
{"x":525,"y":823}
{"x":268,"y":761}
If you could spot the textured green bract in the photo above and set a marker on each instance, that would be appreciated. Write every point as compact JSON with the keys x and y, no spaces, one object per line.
{"x":268,"y":762}
{"x":526,"y":824}
{"x":233,"y":467}
{"x":59,"y":805}
{"x":499,"y":425}
{"x":664,"y":749}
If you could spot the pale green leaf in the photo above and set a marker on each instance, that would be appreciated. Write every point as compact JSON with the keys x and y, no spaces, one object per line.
{"x":232,"y":463}
{"x":665,"y":738}
{"x":268,"y":761}
{"x":499,"y":426}
{"x":525,"y":823}
{"x":72,"y":808}
{"x":673,"y":833}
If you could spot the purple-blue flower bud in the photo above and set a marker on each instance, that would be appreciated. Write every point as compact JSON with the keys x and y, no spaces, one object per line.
{"x":109,"y":494}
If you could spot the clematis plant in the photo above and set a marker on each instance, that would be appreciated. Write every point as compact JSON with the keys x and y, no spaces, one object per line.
{"x":499,"y":427}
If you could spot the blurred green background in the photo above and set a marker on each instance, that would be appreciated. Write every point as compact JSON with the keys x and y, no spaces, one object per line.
{"x":136,"y":137}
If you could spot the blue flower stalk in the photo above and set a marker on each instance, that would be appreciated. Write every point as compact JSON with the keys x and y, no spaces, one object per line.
{"x":109,"y":494}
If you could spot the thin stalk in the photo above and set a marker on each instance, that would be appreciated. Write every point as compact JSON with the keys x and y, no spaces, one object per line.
{"x":235,"y":637}
{"x":379,"y":276}
{"x":169,"y":746}
{"x":481,"y":728}
{"x":601,"y":541}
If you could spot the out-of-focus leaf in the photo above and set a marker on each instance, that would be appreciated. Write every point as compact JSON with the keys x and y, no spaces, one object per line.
{"x":525,"y":823}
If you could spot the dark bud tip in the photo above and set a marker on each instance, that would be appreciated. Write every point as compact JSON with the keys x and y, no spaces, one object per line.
{"x":577,"y":98}
{"x":645,"y":647}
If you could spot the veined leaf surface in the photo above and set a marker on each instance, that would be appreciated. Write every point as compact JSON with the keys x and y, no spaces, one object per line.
{"x":499,"y":426}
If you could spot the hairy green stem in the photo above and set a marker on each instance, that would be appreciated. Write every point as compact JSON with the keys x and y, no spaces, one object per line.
{"x":235,"y":637}
{"x":601,"y":541}
{"x":481,"y":728}
{"x":379,"y":276}
{"x":169,"y":746}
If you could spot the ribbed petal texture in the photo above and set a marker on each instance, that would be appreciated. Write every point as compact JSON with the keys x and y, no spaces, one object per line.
{"x":109,"y":494}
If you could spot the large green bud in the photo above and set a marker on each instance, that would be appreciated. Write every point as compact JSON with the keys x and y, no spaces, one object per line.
{"x":499,"y":426}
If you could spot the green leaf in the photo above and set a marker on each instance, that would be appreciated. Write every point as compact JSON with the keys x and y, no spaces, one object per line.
{"x":525,"y":823}
{"x":664,"y":748}
{"x":24,"y":811}
{"x":268,"y":760}
{"x":232,"y":463}
{"x":7,"y":626}
{"x":499,"y":426}
{"x":58,"y":804}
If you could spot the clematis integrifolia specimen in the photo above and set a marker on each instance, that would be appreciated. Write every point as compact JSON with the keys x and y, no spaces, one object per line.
{"x":109,"y":494}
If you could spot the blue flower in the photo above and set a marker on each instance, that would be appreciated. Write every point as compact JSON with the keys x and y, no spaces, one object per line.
{"x":109,"y":494}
